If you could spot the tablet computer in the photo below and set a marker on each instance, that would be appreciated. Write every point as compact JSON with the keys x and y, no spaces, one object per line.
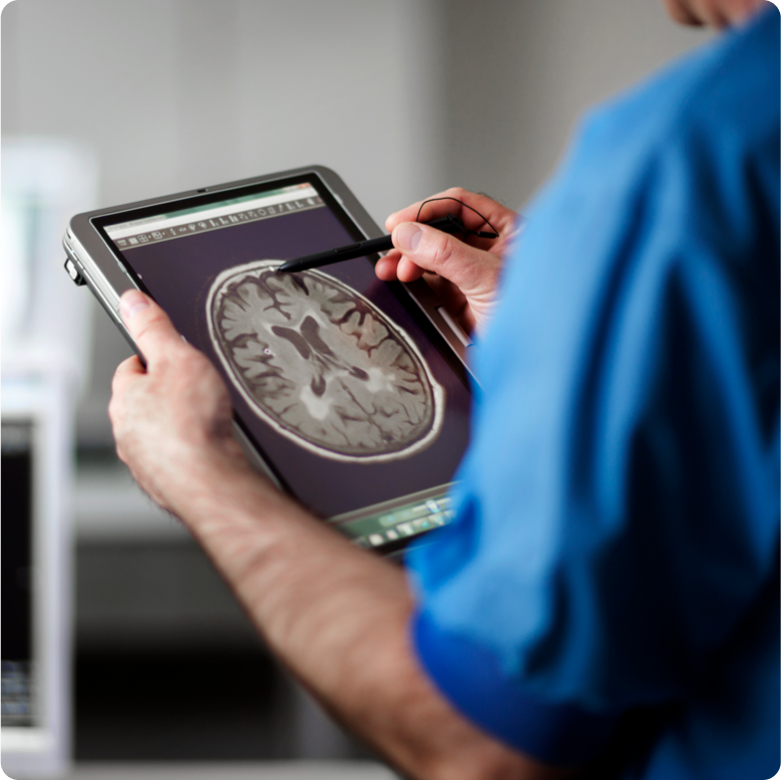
{"x":352,"y":394}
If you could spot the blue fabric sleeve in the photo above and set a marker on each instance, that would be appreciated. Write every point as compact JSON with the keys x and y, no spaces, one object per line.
{"x":618,"y":510}
{"x":470,"y":678}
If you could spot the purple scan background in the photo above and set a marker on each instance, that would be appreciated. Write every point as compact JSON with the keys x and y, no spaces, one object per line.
{"x":179,"y":274}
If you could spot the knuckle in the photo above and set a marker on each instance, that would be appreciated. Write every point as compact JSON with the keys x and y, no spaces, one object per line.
{"x":192,"y":361}
{"x":442,"y":248}
{"x":152,"y":328}
{"x":173,"y":357}
{"x":115,"y":416}
{"x":117,"y":388}
{"x":149,"y":327}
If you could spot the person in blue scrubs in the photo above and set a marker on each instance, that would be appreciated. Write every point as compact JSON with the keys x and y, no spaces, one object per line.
{"x":607,"y":599}
{"x":616,"y":545}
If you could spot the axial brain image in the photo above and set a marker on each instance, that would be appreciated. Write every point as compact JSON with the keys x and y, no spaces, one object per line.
{"x":323,"y":365}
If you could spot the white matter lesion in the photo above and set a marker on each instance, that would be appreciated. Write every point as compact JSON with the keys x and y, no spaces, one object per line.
{"x":320,"y":407}
{"x":379,"y":381}
{"x":317,"y":407}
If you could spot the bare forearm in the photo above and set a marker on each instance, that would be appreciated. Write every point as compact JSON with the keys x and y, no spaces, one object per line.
{"x":337,"y":615}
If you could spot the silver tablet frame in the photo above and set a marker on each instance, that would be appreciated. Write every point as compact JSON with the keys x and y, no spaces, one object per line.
{"x":92,"y":260}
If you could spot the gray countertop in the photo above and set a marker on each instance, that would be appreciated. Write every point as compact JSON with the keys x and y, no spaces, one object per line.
{"x":274,"y":770}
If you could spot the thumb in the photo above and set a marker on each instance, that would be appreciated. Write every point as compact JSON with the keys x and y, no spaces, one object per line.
{"x":148,"y":324}
{"x":471,"y":270}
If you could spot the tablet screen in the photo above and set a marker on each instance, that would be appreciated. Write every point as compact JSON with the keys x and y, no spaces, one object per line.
{"x":339,"y":380}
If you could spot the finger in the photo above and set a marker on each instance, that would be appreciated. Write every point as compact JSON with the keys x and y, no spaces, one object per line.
{"x":407,"y":271}
{"x":472,"y":270}
{"x":129,"y":368}
{"x":386,"y":266}
{"x":394,"y":266}
{"x":436,"y":208}
{"x":127,"y":372}
{"x":502,"y":218}
{"x":149,"y":326}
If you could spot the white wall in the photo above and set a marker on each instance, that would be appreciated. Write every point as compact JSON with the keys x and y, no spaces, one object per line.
{"x":176,"y":94}
{"x":401,"y":97}
{"x":180,"y":93}
{"x":518,"y":75}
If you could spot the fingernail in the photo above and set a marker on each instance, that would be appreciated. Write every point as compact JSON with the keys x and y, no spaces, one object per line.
{"x":408,"y":236}
{"x":131,"y":303}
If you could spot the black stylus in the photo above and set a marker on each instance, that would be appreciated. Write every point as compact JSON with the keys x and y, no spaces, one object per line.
{"x":448,"y":224}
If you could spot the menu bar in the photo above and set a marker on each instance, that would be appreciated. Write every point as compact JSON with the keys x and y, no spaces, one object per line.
{"x":225,"y":213}
{"x":216,"y":223}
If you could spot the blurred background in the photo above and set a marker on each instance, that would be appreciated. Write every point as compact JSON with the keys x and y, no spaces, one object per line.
{"x":135,"y":657}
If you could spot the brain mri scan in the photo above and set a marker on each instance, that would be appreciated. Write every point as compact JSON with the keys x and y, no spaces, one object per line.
{"x":322,"y":365}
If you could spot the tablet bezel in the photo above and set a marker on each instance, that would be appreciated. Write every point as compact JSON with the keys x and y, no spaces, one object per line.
{"x":104,"y":270}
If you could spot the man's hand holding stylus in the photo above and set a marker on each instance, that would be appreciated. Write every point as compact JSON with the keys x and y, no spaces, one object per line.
{"x":463,"y":273}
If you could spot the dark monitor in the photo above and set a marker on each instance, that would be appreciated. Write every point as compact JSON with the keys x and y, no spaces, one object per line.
{"x":36,"y":570}
{"x":18,"y":705}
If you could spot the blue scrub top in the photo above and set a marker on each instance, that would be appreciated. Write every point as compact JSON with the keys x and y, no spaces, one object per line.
{"x":614,"y":558}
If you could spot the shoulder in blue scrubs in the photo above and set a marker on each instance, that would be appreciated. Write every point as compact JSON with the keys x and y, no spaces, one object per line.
{"x":616,"y":545}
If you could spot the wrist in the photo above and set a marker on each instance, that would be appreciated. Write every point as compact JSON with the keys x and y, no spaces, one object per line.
{"x":213,"y":473}
{"x":223,"y":494}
